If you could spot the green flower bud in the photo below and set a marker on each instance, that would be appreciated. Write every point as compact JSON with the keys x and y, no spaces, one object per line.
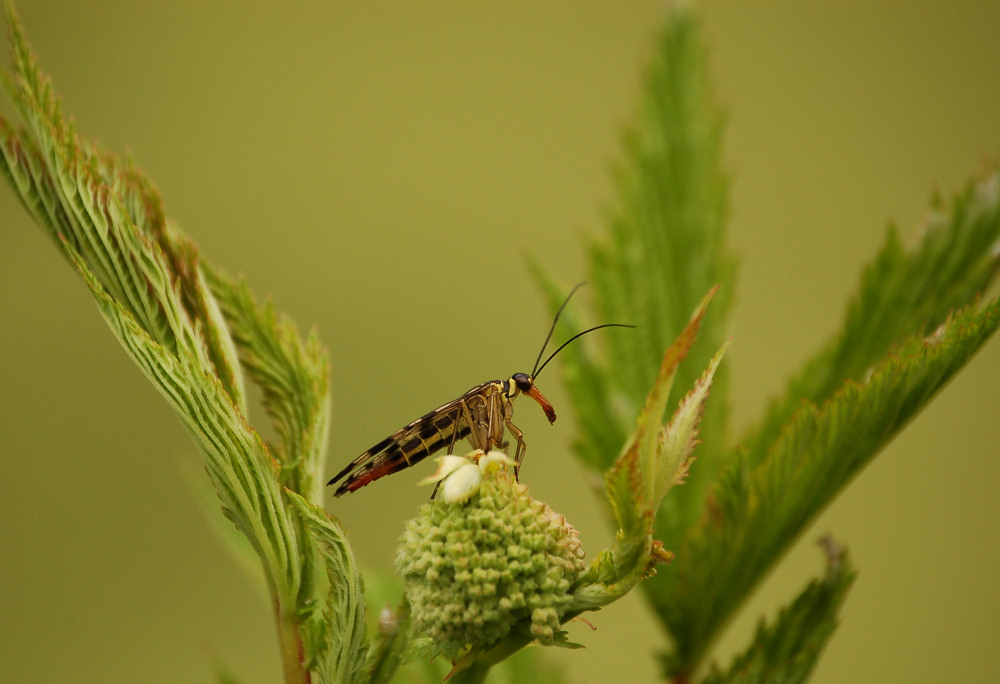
{"x":476,"y":567}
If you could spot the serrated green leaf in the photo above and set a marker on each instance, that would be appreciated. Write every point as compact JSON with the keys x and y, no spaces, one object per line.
{"x":292,"y":375}
{"x":664,"y":248}
{"x":898,"y":298}
{"x":655,"y":458}
{"x":758,"y":510}
{"x":107,"y":223}
{"x":338,"y":639}
{"x":144,"y":206}
{"x":665,"y":242}
{"x":646,"y":469}
{"x":94,"y":207}
{"x":903,"y":292}
{"x":148,"y":282}
{"x":677,"y":441}
{"x":241,"y":469}
{"x":785,"y":651}
{"x":199,"y":301}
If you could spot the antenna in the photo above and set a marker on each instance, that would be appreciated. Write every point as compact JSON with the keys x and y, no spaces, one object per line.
{"x":553,"y":328}
{"x":580,"y":334}
{"x":538,"y":369}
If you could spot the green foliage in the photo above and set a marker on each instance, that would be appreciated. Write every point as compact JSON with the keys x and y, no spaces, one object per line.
{"x":664,"y":249}
{"x":193,"y":333}
{"x":902,"y":293}
{"x":915,"y":322}
{"x":293,"y":376}
{"x":655,"y":459}
{"x":786,"y":651}
{"x":335,"y":640}
{"x":758,"y":510}
{"x":119,"y":244}
{"x":197,"y":335}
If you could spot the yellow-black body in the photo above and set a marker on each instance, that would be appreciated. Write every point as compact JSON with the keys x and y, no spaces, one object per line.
{"x":482,"y":415}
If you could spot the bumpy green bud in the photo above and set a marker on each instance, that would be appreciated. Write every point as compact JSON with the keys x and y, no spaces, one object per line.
{"x":476,"y":567}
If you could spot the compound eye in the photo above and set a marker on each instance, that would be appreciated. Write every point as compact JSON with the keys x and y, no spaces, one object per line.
{"x":523,"y":381}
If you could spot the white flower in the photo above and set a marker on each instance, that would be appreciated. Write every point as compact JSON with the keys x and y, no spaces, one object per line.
{"x":460,"y":477}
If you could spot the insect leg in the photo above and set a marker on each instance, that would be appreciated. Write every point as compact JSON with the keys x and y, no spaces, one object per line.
{"x":467,"y":415}
{"x":519,"y":453}
{"x":499,"y":414}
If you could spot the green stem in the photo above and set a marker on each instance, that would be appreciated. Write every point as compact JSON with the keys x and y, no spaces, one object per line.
{"x":290,"y":643}
{"x":481,"y":666}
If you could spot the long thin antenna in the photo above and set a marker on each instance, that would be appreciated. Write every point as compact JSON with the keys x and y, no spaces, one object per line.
{"x":535,"y":374}
{"x":555,"y":320}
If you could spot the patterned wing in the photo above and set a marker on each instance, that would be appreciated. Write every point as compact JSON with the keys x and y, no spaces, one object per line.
{"x":441,"y":427}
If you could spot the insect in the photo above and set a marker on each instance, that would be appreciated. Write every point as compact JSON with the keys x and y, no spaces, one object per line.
{"x":481,"y":415}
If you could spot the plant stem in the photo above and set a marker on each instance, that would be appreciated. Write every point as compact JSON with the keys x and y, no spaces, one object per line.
{"x":477,"y":671}
{"x":290,"y":644}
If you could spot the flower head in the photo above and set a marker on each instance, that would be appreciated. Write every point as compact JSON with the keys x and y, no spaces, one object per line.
{"x":484,"y":556}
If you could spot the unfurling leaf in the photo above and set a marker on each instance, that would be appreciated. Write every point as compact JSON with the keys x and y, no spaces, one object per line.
{"x":338,"y":633}
{"x":292,"y":374}
{"x":655,"y":458}
{"x":678,"y":439}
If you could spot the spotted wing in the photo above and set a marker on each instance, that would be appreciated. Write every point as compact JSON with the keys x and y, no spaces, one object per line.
{"x":441,"y":427}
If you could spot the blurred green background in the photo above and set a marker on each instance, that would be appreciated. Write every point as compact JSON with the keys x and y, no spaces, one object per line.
{"x":380,"y":170}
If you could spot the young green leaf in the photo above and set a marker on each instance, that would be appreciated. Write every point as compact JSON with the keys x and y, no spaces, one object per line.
{"x":337,"y":637}
{"x":785,"y":651}
{"x":292,"y":375}
{"x":242,"y":470}
{"x":655,"y":458}
{"x":665,"y":247}
{"x":105,"y":212}
{"x":149,"y":285}
{"x":675,"y":450}
{"x":903,"y":292}
{"x":106,"y":223}
{"x":757,"y":510}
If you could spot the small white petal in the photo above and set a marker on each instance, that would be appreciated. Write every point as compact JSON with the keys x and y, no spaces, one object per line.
{"x":494,"y":461}
{"x":461,"y":484}
{"x":446,"y":466}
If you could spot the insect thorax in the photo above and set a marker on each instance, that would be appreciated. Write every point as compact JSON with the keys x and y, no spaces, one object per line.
{"x":508,"y":388}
